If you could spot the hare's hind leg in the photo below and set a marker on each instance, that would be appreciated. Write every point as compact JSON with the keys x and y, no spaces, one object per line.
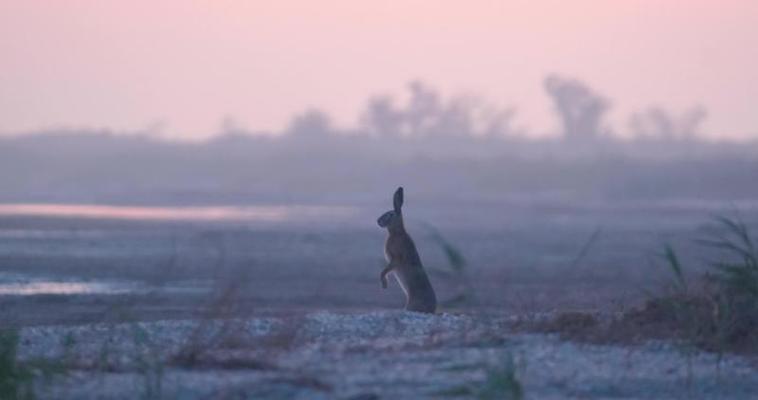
{"x":383,"y":276}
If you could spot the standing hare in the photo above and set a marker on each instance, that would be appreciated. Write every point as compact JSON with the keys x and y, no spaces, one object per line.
{"x":404,"y":262}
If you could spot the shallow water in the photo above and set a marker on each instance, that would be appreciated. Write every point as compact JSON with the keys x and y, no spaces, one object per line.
{"x":209,"y":213}
{"x":69,"y":288}
{"x":22,"y":285}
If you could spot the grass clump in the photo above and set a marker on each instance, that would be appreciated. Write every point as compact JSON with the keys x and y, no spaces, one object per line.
{"x":457,"y":271}
{"x":718,"y":311}
{"x":16,"y":378}
{"x":502,"y":382}
{"x":735,"y":301}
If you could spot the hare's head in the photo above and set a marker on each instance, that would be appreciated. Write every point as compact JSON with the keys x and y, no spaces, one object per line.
{"x":393,"y":218}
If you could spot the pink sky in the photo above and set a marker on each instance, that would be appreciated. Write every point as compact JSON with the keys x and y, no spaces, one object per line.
{"x":127,"y":65}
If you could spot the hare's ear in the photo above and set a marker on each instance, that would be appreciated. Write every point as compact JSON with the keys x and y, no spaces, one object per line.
{"x":398,"y":199}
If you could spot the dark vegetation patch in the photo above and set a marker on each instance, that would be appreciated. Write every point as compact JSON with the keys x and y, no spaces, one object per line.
{"x":501,"y":381}
{"x":17,"y":377}
{"x":717,"y":311}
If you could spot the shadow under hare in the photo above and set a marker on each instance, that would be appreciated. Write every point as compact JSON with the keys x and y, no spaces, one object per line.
{"x":404,"y":262}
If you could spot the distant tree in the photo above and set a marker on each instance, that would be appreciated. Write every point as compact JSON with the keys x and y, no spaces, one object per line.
{"x":424,"y":108}
{"x":312,"y":123}
{"x":428,"y":114}
{"x":230,"y":126}
{"x":499,"y":123}
{"x":382,"y":118}
{"x":456,"y":119}
{"x":580,"y":109}
{"x":657,"y":123}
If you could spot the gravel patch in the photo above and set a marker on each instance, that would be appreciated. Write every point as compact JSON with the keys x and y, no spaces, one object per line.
{"x":393,"y":355}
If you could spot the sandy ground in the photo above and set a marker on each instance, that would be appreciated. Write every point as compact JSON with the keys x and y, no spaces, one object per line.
{"x":309,"y":319}
{"x":370,"y":355}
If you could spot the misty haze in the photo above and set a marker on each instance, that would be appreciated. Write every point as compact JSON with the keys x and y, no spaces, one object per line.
{"x":610,"y":255}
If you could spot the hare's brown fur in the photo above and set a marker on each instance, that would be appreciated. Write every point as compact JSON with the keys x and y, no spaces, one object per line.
{"x":403,"y":260}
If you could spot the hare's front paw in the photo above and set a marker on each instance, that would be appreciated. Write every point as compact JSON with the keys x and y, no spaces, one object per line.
{"x":384,"y":281}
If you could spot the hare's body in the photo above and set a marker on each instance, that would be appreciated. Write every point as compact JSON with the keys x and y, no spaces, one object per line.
{"x":403,"y":260}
